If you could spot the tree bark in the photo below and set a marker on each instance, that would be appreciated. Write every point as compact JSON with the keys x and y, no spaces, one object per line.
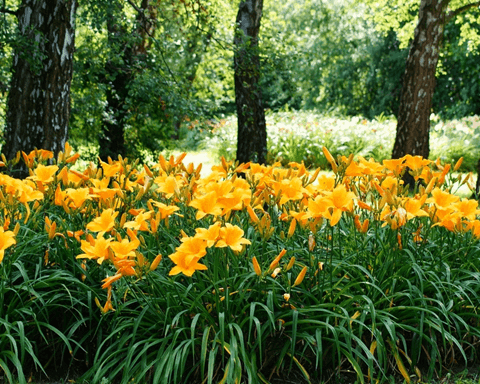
{"x":132,"y":48}
{"x":252,"y":133}
{"x":118,"y":75}
{"x":419,"y":81}
{"x":38,"y":105}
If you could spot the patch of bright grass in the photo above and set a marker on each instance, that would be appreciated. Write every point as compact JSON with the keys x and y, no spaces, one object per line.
{"x":299,"y":136}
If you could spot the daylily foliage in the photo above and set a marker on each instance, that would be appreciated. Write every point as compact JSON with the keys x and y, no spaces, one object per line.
{"x":271,"y":223}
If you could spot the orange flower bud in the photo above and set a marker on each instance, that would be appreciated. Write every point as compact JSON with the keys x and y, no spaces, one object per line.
{"x":73,"y":159}
{"x":147,"y":170}
{"x":275,"y":262}
{"x":291,"y":229}
{"x":328,"y":155}
{"x":430,"y":185}
{"x":290,"y":264}
{"x":51,"y":232}
{"x":311,"y":243}
{"x":458,"y":164}
{"x":256,"y":266}
{"x":252,"y":214}
{"x":155,"y":262}
{"x":300,"y":277}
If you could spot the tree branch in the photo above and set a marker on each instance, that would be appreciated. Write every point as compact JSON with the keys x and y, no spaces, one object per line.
{"x":458,"y":11}
{"x":9,"y":11}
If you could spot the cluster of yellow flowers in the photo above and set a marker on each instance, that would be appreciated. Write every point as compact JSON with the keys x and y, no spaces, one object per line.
{"x":121,"y":204}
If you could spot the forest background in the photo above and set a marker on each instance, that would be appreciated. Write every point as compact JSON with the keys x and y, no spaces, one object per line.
{"x":146,"y":75}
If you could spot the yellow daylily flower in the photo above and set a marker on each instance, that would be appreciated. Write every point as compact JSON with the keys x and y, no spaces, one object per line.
{"x":232,"y":236}
{"x":206,"y":205}
{"x":7,"y":239}
{"x":98,"y":249}
{"x":104,"y":223}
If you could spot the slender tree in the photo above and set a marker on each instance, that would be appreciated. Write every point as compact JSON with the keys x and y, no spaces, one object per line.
{"x":419,"y":78}
{"x":252,"y":133}
{"x":38,"y":105}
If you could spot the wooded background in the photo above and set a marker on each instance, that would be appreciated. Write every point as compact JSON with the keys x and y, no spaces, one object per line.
{"x":124,"y":75}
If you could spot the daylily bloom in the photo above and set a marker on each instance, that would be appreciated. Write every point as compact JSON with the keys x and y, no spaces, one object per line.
{"x":140,"y":223}
{"x":415,"y":163}
{"x":193,"y":247}
{"x":340,"y":201}
{"x":77,"y":196}
{"x":165,"y":210}
{"x":326,"y":183}
{"x":169,"y":185}
{"x":413,"y":208}
{"x":124,"y":248}
{"x":101,"y":190}
{"x":222,"y":188}
{"x":291,"y":189}
{"x":185,"y":265}
{"x":389,"y":183}
{"x":98,"y":250}
{"x":111,"y":169}
{"x":318,"y":206}
{"x":104,"y":223}
{"x":44,"y":174}
{"x":7,"y":239}
{"x":467,"y":208}
{"x":234,"y":200}
{"x":394,"y":165}
{"x":206,"y":205}
{"x":210,"y":235}
{"x":232,"y":236}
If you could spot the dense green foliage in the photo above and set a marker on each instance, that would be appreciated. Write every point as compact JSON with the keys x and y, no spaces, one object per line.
{"x":344,"y":57}
{"x":299,"y":137}
{"x":287,"y":272}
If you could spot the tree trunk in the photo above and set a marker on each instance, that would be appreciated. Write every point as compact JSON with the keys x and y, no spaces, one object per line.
{"x":131,"y":48}
{"x":38,"y":105}
{"x":252,"y":133}
{"x":419,"y":81}
{"x":112,"y":139}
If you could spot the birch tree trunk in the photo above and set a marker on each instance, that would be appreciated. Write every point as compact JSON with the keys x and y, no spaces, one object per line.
{"x":252,"y":134}
{"x":419,"y":81}
{"x":38,"y":105}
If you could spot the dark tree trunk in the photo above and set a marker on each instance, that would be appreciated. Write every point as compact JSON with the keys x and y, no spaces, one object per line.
{"x":118,"y":74}
{"x":38,"y":105}
{"x":419,"y":81}
{"x":131,"y":48}
{"x":477,"y":185}
{"x":252,"y":133}
{"x":112,"y":139}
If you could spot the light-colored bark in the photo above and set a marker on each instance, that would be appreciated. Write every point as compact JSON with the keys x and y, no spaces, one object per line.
{"x":38,"y":106}
{"x":252,"y":136}
{"x":419,"y":81}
